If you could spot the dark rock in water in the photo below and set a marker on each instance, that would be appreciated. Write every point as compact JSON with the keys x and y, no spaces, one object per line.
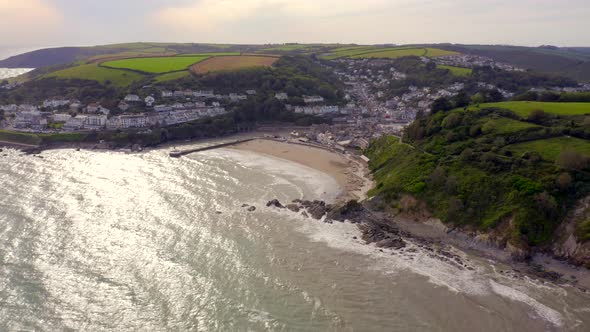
{"x":352,"y":211}
{"x":317,"y":212}
{"x":78,"y":149}
{"x":317,"y":209}
{"x":275,"y":203}
{"x":393,"y":242}
{"x":305,"y":214}
{"x":218,"y":212}
{"x":354,"y":237}
{"x":293,"y":207}
{"x":245,"y":205}
{"x":252,"y":209}
{"x":1,"y":150}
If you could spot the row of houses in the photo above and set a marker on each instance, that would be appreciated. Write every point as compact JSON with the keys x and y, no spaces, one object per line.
{"x":315,"y":110}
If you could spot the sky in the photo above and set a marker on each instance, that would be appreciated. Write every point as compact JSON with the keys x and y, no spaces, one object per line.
{"x":36,"y":23}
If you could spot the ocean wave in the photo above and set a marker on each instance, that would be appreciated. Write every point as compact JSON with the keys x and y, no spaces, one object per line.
{"x":13,"y":72}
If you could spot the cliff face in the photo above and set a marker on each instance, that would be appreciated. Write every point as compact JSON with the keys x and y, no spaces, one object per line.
{"x":567,"y":244}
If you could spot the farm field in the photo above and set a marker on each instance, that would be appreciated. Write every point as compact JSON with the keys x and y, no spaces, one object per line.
{"x":386,"y":53}
{"x":286,"y":48}
{"x":435,"y":52}
{"x":210,"y":54}
{"x":229,"y":63}
{"x":172,"y":76}
{"x":504,"y":126}
{"x":393,"y":53}
{"x":457,"y":71}
{"x":550,"y":148}
{"x":100,"y":74}
{"x":156,"y":65}
{"x":524,"y":108}
{"x":126,"y":55}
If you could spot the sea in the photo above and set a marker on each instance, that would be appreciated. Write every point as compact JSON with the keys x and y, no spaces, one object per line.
{"x":114,"y":241}
{"x":13,"y":72}
{"x":8,"y":51}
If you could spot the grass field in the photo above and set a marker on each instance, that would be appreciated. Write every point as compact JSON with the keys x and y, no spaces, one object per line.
{"x":457,"y":71}
{"x":23,"y":138}
{"x":550,"y":148}
{"x":394,"y":53}
{"x":126,"y":55}
{"x":157,"y":65}
{"x":391,"y":53}
{"x":504,"y":126}
{"x":172,"y":76}
{"x":96,"y":73}
{"x":524,"y":108}
{"x":286,"y":48}
{"x":434,"y":52}
{"x":211,"y":54}
{"x":229,"y":63}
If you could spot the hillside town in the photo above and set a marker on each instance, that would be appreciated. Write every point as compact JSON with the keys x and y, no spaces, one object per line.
{"x":370,"y":109}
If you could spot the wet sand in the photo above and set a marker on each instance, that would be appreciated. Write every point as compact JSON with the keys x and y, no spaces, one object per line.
{"x":350,"y":173}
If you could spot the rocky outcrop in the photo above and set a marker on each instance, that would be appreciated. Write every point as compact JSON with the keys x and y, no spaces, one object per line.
{"x":567,"y":246}
{"x":275,"y":203}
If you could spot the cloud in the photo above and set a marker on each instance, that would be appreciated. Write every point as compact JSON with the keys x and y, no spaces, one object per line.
{"x":213,"y":15}
{"x":26,"y":21}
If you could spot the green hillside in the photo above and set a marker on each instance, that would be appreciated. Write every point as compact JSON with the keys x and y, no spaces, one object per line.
{"x":102,"y":75}
{"x":525,"y":108}
{"x":157,"y":65}
{"x":487,"y":168}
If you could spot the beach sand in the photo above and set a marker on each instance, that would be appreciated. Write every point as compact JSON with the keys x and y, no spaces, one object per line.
{"x":350,"y":173}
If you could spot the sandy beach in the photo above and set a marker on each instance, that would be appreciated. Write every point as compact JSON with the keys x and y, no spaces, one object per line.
{"x":350,"y":173}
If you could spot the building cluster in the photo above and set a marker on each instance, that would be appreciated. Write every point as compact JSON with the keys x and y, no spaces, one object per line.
{"x":62,"y":114}
{"x":580,"y":88}
{"x":472,"y":61}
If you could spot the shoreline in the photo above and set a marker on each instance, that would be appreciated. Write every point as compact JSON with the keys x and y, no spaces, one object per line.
{"x":353,"y":176}
{"x":351,"y":173}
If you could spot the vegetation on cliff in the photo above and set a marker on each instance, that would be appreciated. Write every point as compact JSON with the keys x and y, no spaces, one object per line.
{"x":490,"y":167}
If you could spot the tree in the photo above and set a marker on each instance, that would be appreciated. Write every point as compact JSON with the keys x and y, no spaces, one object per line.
{"x":442,"y":104}
{"x":572,"y":160}
{"x":462,"y":99}
{"x":494,"y":96}
{"x":452,"y":121}
{"x":478,"y":99}
{"x":455,"y":208}
{"x":438,"y":177}
{"x":563,"y":181}
{"x":537,"y":116}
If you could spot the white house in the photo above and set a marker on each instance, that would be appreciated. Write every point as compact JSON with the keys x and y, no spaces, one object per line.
{"x":95,"y":121}
{"x":123,"y":106}
{"x":149,"y":101}
{"x":313,"y":99}
{"x":281,"y":96}
{"x":55,"y":102}
{"x":132,"y":99}
{"x":76,"y":123}
{"x":61,"y":117}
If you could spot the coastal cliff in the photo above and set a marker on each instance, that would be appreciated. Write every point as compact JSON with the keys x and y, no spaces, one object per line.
{"x":518,"y":182}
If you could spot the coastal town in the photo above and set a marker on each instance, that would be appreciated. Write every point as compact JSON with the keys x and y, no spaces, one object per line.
{"x":369,"y":109}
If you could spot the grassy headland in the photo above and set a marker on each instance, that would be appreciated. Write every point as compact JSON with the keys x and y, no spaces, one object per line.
{"x":489,"y":169}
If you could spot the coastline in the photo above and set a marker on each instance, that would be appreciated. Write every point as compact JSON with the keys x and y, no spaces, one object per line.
{"x":354,"y":178}
{"x":351,"y":173}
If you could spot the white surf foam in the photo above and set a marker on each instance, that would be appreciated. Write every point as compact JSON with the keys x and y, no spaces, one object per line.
{"x":321,"y":185}
{"x":479,"y":282}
